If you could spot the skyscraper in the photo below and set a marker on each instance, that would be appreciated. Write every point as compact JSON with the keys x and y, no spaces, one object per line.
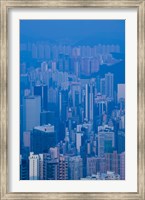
{"x":42,"y":138}
{"x":41,"y":90}
{"x":89,"y":102}
{"x":109,"y":85}
{"x":78,"y":141}
{"x":63,"y":103}
{"x":50,"y":168}
{"x":24,"y":168}
{"x":33,"y":166}
{"x":120,"y":91}
{"x":122,"y":166}
{"x":106,"y":140}
{"x":31,"y":113}
{"x":63,"y":168}
{"x":75,"y":168}
{"x":76,"y":93}
{"x":91,"y":166}
{"x":102,"y":86}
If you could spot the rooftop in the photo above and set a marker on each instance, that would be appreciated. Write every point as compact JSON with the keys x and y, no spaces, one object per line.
{"x":45,"y":128}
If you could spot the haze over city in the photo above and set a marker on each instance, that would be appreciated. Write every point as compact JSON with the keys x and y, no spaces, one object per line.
{"x":72,"y":100}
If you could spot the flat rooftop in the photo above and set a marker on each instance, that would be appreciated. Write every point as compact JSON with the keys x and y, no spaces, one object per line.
{"x":45,"y":128}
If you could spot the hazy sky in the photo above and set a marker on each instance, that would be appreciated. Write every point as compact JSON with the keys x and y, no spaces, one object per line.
{"x":73,"y":29}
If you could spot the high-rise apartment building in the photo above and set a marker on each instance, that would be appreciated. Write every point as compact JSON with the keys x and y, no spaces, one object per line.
{"x":75,"y":168}
{"x":63,"y":168}
{"x":122,"y":166}
{"x":91,"y":166}
{"x":33,"y":166}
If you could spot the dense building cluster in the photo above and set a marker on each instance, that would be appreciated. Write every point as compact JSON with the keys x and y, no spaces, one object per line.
{"x":72,"y":119}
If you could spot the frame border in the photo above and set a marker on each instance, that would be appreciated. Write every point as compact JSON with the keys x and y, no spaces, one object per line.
{"x":5,"y":5}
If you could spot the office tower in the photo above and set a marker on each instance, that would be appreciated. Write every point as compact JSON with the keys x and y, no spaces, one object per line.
{"x":89,"y":102}
{"x":78,"y":141}
{"x":120,"y":91}
{"x":26,"y":139}
{"x":75,"y":168}
{"x":98,"y":84}
{"x":91,"y":166}
{"x":88,"y":148}
{"x":109,"y":85}
{"x":31,"y":112}
{"x":42,"y":138}
{"x":83,"y":152}
{"x":63,"y":168}
{"x":63,"y":103}
{"x":61,"y":130}
{"x":122,"y":166}
{"x":33,"y":166}
{"x":106,"y":140}
{"x":41,"y":90}
{"x":76,"y":93}
{"x":48,"y":117}
{"x":102,"y":86}
{"x":52,"y":96}
{"x":24,"y":84}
